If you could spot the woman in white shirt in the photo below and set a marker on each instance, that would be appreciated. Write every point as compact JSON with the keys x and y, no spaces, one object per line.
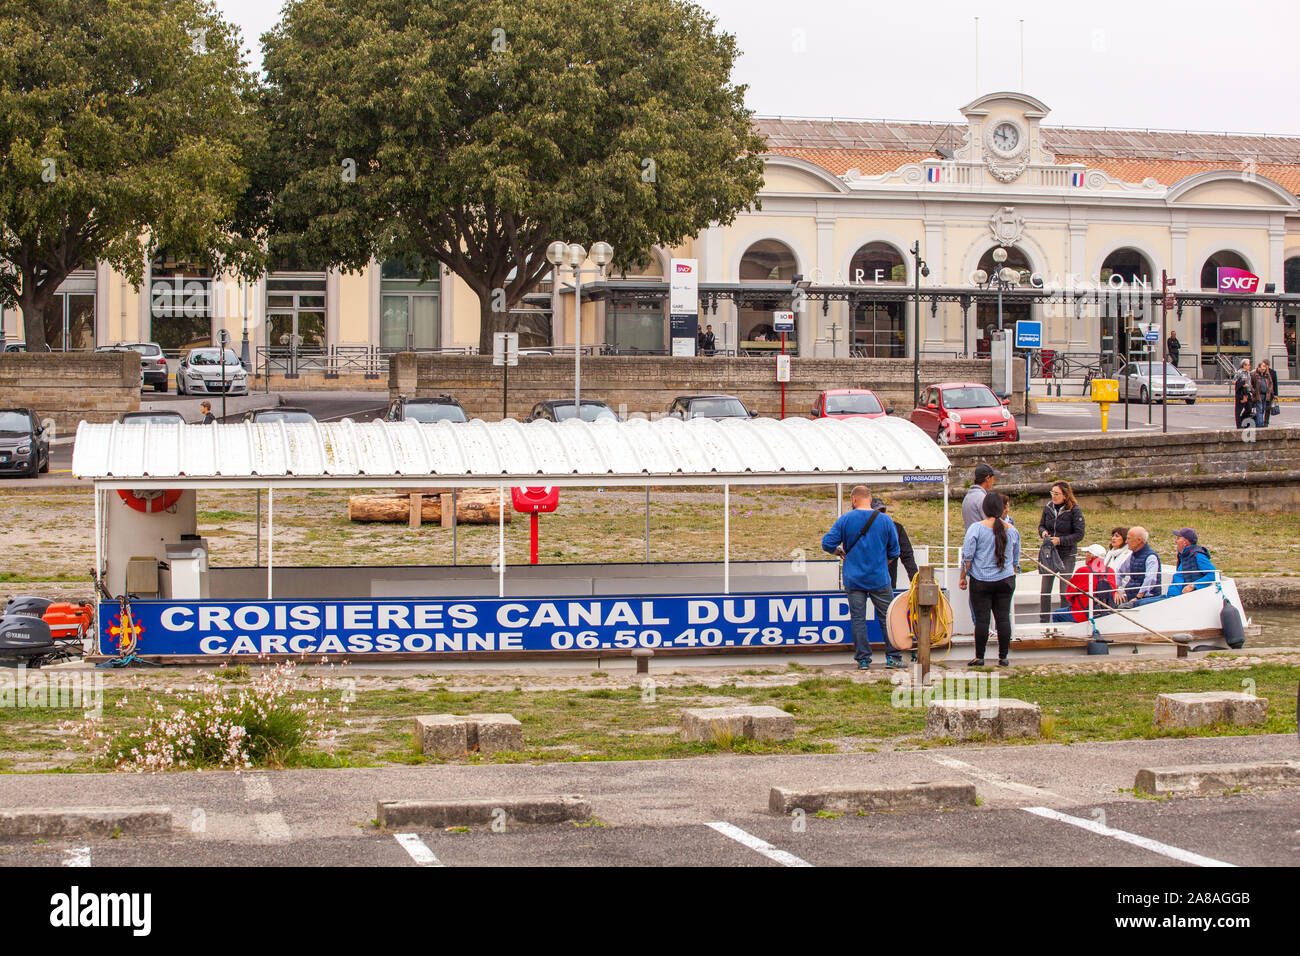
{"x":1119,"y":552}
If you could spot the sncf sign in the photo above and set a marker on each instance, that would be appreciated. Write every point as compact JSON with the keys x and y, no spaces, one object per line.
{"x":684,"y":267}
{"x":1237,"y":280}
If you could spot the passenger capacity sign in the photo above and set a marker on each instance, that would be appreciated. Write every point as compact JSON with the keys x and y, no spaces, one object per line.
{"x":368,"y":627}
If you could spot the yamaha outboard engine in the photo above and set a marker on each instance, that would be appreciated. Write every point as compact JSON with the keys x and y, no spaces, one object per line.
{"x":27,"y":604}
{"x":25,"y":639}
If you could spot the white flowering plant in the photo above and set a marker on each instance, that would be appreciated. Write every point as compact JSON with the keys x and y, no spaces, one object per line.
{"x":270,"y":722}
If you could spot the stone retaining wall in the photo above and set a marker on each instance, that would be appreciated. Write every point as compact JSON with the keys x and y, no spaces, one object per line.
{"x":95,"y":387}
{"x":648,"y":384}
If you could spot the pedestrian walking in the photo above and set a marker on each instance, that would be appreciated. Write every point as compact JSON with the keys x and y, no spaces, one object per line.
{"x":972,"y":506}
{"x":867,"y":541}
{"x":205,"y":407}
{"x":1173,"y":347}
{"x":1262,"y":391}
{"x":1062,"y":526}
{"x":1243,"y":410}
{"x":989,"y":555}
{"x":709,"y":341}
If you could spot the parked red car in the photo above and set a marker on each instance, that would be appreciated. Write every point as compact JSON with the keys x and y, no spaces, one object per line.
{"x":850,"y":403}
{"x":961,"y":413}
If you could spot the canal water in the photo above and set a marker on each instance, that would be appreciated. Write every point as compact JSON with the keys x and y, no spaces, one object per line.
{"x":1281,"y":628}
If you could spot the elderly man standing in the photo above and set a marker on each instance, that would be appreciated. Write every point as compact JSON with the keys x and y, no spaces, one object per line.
{"x":867,"y":540}
{"x":1139,"y":576}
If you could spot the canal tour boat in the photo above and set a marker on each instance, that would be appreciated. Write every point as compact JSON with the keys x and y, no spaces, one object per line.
{"x":183,"y":606}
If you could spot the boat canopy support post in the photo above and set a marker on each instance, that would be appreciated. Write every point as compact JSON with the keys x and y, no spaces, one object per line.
{"x":501,"y":541}
{"x":99,"y":569}
{"x":647,"y":524}
{"x":839,"y":498}
{"x":726,"y":539}
{"x":945,"y":530}
{"x":259,"y":528}
{"x":454,"y":542}
{"x":270,"y":543}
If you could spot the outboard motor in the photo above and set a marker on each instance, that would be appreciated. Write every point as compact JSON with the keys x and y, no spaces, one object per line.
{"x":25,"y":639}
{"x":28,"y":605}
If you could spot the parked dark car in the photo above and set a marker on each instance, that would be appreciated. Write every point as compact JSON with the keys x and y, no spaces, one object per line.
{"x":152,"y":418}
{"x":22,"y":347}
{"x":444,"y":408}
{"x":959,"y":413}
{"x":561,"y":410}
{"x":282,"y":413}
{"x":709,"y":406}
{"x":153,"y":364}
{"x":24,"y":444}
{"x":850,"y":403}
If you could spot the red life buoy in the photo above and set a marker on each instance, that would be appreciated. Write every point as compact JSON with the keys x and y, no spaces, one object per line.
{"x":533,"y":500}
{"x":151,"y":502}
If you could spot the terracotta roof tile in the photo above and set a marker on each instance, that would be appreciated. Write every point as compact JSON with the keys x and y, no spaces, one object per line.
{"x":869,"y":162}
{"x":1168,"y":172}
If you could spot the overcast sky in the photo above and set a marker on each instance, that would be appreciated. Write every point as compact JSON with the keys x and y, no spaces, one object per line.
{"x":1196,"y":64}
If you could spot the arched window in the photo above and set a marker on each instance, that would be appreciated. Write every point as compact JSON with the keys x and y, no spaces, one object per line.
{"x":986,"y":313}
{"x":1124,"y":306}
{"x":768,"y":260}
{"x":1291,"y":284}
{"x":1225,"y":330}
{"x":879,"y":329}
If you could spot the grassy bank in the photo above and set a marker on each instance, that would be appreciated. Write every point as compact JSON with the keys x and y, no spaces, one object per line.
{"x":835,"y":712}
{"x":45,"y":539}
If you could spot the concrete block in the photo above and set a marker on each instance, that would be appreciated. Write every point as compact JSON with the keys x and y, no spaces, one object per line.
{"x":1215,"y":778}
{"x":916,"y":796}
{"x":479,"y":811}
{"x":1002,"y":717}
{"x":759,"y":723}
{"x":1210,"y":707}
{"x":444,"y":735}
{"x":494,"y":733}
{"x":84,"y":822}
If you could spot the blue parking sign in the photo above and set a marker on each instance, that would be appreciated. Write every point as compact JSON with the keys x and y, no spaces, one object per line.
{"x":1029,"y":335}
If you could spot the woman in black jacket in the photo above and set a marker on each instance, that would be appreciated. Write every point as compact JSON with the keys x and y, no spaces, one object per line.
{"x":1062,"y":524}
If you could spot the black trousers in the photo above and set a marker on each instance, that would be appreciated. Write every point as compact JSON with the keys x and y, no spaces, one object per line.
{"x":1048,"y":580}
{"x":994,"y":597}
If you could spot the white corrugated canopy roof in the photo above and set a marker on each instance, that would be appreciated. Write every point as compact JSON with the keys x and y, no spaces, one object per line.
{"x":412,"y":454}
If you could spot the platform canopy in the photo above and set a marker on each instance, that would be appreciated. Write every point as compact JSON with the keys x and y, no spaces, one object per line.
{"x":413,"y":454}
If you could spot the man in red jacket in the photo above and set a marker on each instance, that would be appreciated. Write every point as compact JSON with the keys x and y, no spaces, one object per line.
{"x":1093,"y":580}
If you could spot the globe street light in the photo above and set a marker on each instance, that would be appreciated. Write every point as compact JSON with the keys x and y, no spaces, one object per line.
{"x":558,"y":253}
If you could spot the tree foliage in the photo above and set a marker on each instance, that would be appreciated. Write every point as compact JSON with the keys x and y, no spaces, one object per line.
{"x":124,"y":124}
{"x":481,"y":132}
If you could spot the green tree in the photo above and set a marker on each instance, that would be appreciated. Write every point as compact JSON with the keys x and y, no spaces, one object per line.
{"x":473,"y":135}
{"x":124,"y":124}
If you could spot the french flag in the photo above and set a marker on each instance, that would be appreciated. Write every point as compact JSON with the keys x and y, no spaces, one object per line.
{"x":1076,"y":179}
{"x":932,"y":174}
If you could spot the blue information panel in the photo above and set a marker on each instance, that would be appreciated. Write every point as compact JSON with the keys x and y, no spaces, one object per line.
{"x":366,"y":627}
{"x":1151,"y":335}
{"x":1029,"y":335}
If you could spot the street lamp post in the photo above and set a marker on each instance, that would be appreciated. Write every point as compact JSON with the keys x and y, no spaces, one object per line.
{"x":243,"y":349}
{"x":920,"y":268}
{"x":1004,"y":277}
{"x":575,"y":255}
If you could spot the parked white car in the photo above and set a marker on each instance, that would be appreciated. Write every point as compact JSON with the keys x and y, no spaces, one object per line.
{"x":202,"y":372}
{"x":1134,"y":384}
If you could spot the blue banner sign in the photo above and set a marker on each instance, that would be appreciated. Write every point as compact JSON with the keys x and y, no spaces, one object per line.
{"x":366,"y":627}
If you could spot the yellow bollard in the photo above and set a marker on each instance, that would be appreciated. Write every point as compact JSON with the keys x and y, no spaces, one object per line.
{"x":1105,"y":391}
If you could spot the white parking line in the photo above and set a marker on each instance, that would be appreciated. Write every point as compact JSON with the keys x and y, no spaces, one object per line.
{"x":77,"y":856}
{"x":996,"y":780}
{"x":1146,"y":843}
{"x":757,"y":845}
{"x":421,"y":854}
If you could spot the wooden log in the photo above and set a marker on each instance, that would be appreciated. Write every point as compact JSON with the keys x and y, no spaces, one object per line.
{"x":472,"y":507}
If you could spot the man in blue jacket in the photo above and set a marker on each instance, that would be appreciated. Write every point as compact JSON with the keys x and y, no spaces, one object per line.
{"x":867,"y":540}
{"x":1194,"y":568}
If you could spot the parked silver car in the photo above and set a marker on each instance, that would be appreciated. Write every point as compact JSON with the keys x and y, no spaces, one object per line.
{"x":1134,"y":383}
{"x":201,"y":373}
